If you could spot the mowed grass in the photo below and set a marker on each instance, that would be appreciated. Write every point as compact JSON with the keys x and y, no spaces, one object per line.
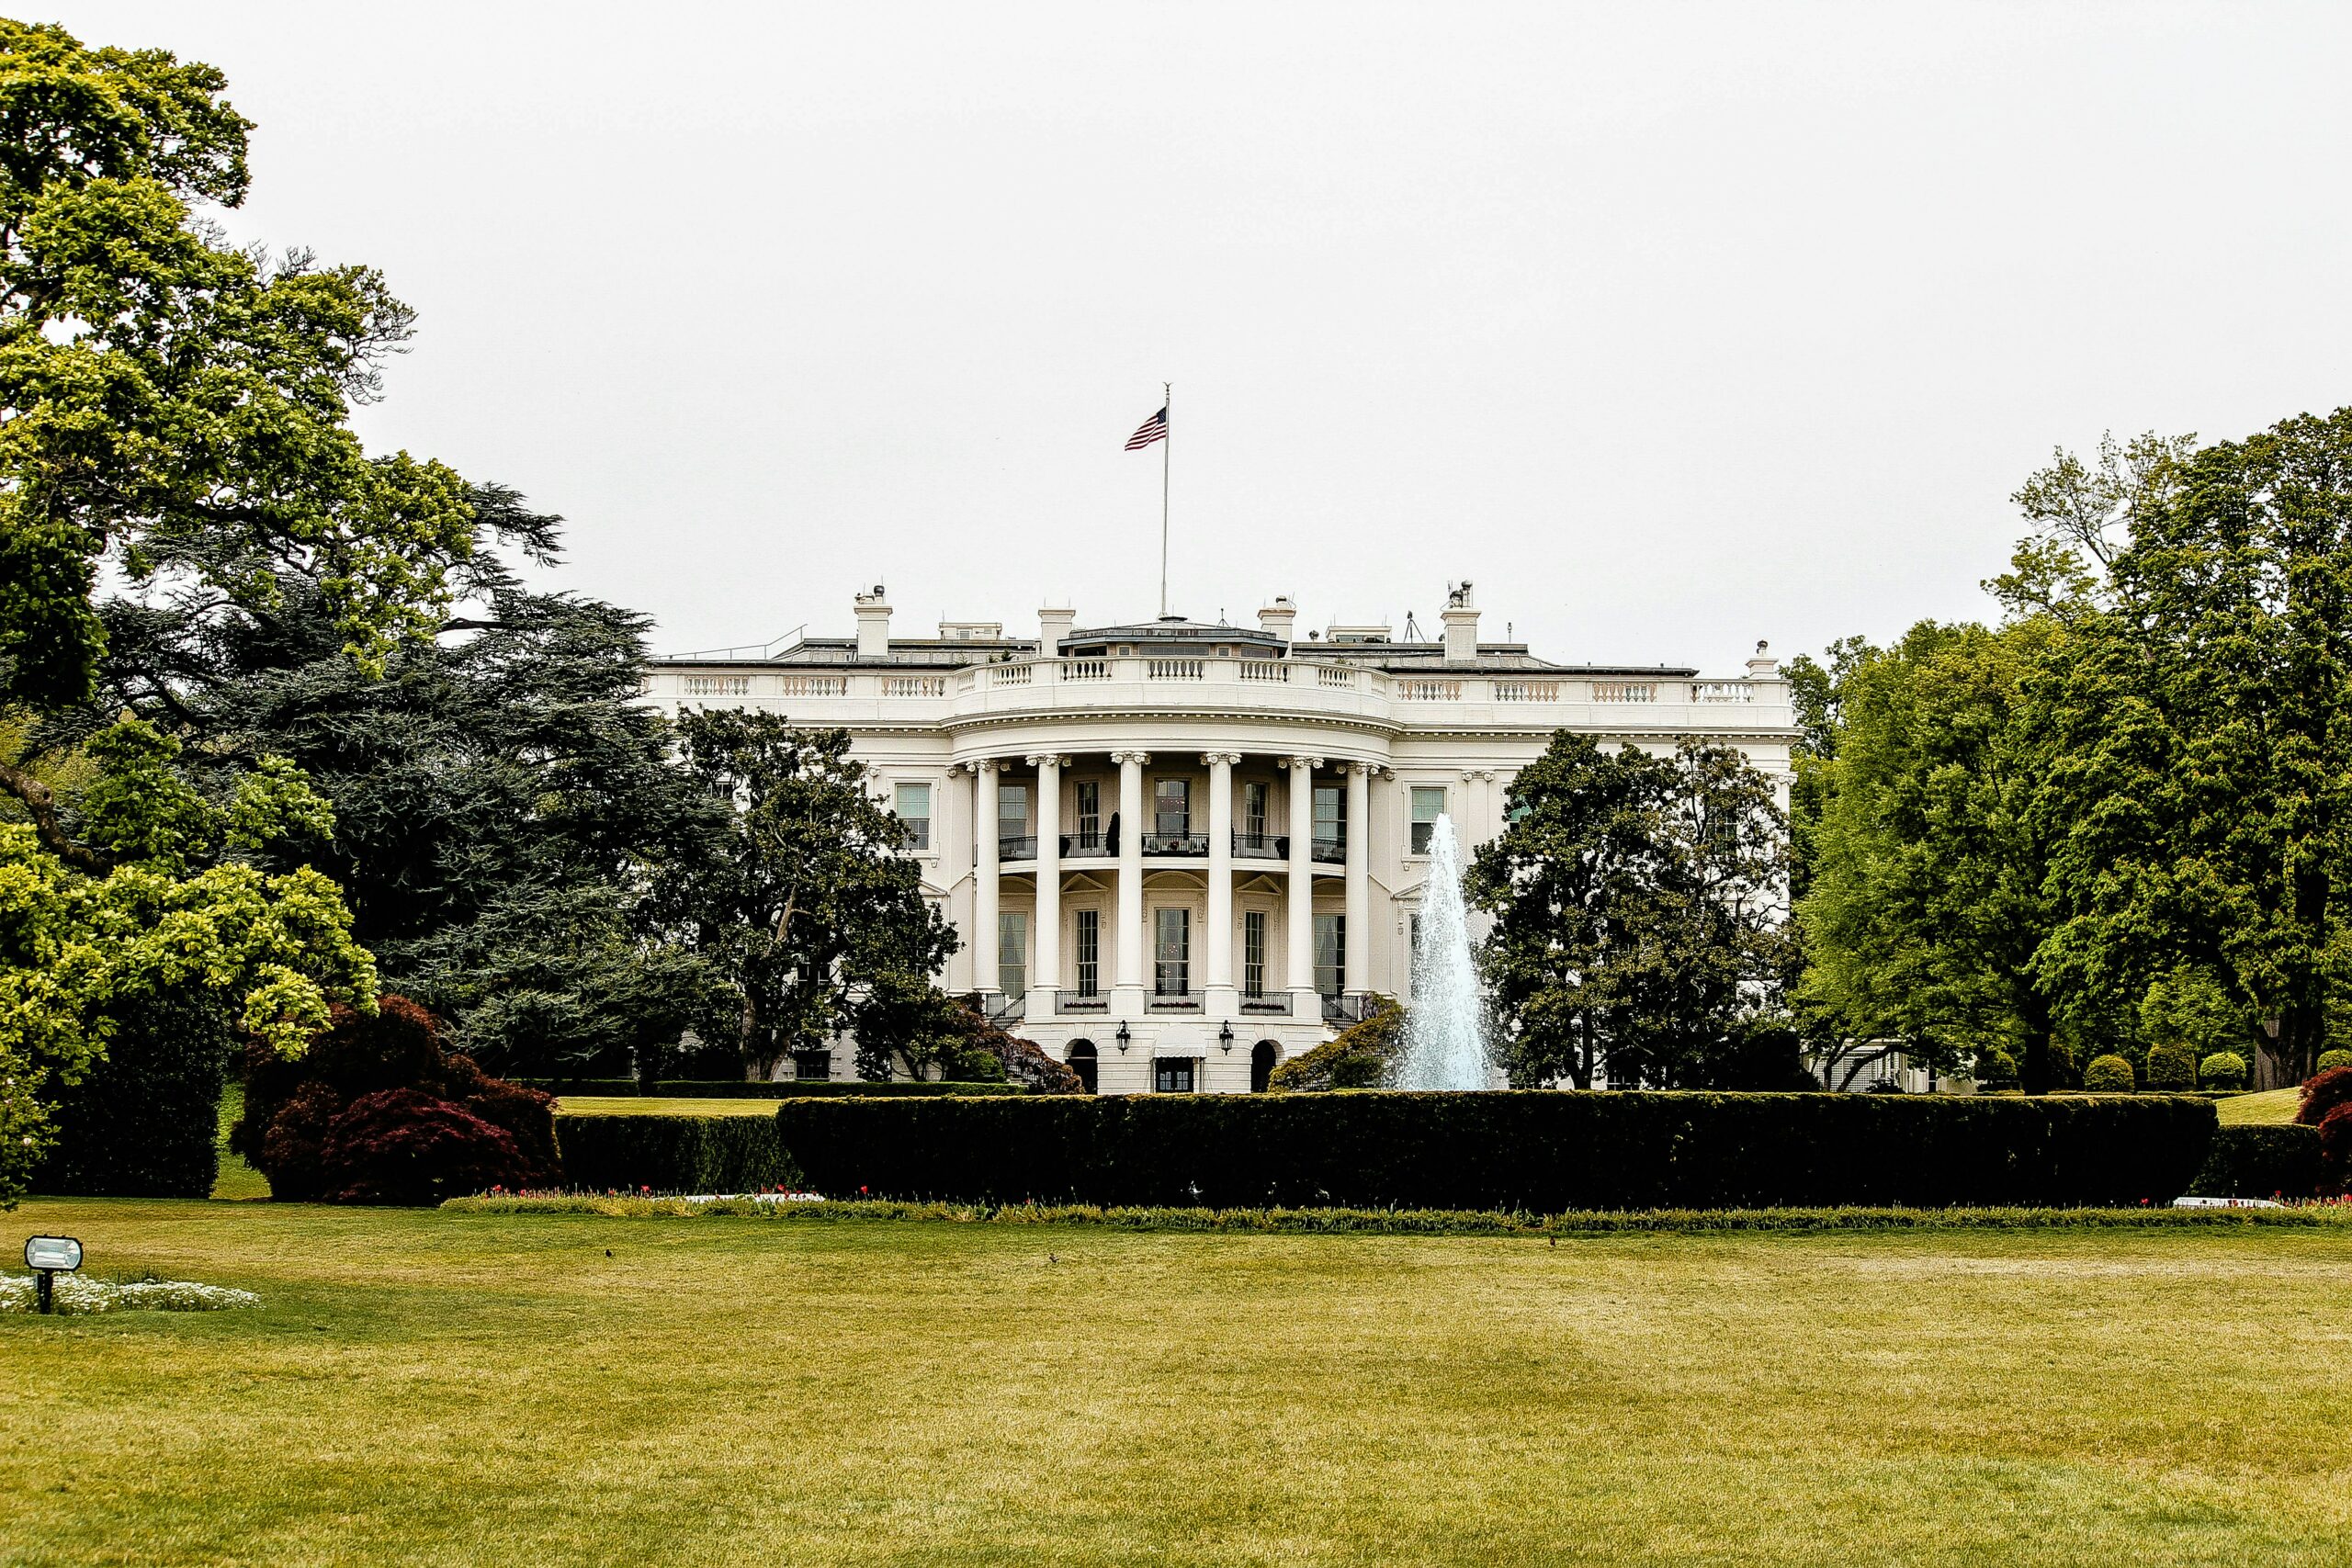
{"x":660,"y":1105}
{"x":436,"y":1388}
{"x":2272,"y":1107}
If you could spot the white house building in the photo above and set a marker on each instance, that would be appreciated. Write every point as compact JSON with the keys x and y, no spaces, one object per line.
{"x":1181,"y":853}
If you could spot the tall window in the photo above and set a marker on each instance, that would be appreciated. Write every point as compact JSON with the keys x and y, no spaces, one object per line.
{"x":1429,"y":805}
{"x":1012,"y":953}
{"x":1011,"y":814}
{"x":1172,"y":952}
{"x":1330,"y":953}
{"x":1090,"y":813}
{"x":1254,"y":794}
{"x":1330,"y":817}
{"x":1171,"y":808}
{"x":912,"y":802}
{"x":1090,"y":953}
{"x":1253,"y":953}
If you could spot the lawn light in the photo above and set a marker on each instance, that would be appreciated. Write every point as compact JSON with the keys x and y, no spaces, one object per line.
{"x":1225,"y":1038}
{"x":45,"y":1255}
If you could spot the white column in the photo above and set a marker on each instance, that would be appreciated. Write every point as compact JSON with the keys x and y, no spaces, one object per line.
{"x":1357,"y":957}
{"x":1299,"y":919}
{"x":1129,"y":987}
{"x":1218,"y":937}
{"x":1046,"y":942}
{"x":984,"y":894}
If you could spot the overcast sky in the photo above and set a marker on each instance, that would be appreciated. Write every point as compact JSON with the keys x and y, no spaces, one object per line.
{"x":1672,"y":327}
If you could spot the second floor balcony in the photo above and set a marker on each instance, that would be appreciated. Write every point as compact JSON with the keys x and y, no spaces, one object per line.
{"x":1323,"y":849}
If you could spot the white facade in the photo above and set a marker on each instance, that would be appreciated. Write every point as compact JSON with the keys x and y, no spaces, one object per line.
{"x":1189,"y":850}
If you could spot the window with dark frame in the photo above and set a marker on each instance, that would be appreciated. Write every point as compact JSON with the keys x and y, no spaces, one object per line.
{"x":1090,"y":953}
{"x":1172,"y":952}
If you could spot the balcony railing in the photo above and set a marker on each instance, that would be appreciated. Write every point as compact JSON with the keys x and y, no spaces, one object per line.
{"x":1016,"y":846}
{"x":1261,"y":846}
{"x":1346,"y":1008}
{"x":1331,"y":851}
{"x":1275,"y":1006}
{"x":1173,"y":1001}
{"x":1068,"y":1002}
{"x":1085,"y":846}
{"x":1176,"y":843}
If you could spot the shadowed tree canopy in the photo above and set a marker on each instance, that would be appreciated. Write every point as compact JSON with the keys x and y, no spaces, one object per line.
{"x":803,"y":909}
{"x":1638,"y":919}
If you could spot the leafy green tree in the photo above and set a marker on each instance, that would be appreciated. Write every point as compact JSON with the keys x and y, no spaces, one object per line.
{"x":1635,"y":905}
{"x":2200,"y":792}
{"x":174,"y":417}
{"x":1926,"y":908}
{"x":804,"y":906}
{"x":180,"y":922}
{"x":170,"y":406}
{"x":2187,"y":1007}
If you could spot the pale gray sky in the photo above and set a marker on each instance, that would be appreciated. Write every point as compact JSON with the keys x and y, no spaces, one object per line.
{"x":1673,"y":327}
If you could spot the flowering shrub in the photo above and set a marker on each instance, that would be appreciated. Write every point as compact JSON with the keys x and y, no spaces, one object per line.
{"x":80,"y":1293}
{"x":377,"y":1113}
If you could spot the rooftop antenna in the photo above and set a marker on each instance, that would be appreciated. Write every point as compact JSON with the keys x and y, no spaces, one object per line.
{"x":1412,"y":627}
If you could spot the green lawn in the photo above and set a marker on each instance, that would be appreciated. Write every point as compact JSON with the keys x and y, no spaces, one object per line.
{"x":2272,"y":1107}
{"x":659,"y":1105}
{"x":434,"y":1388}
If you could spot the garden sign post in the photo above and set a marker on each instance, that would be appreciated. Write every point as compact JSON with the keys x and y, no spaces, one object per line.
{"x":45,"y":1255}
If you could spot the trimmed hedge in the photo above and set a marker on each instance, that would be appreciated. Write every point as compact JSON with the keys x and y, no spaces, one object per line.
{"x":2261,"y":1162}
{"x":1542,"y":1151}
{"x":780,"y":1088}
{"x":670,"y":1154}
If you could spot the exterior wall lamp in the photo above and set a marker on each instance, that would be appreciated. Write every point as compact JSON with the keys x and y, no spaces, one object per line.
{"x":1122,"y":1037}
{"x":1225,"y":1038}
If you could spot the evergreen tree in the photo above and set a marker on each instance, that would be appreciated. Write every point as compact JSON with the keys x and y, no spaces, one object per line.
{"x":1636,"y":914}
{"x":802,"y":908}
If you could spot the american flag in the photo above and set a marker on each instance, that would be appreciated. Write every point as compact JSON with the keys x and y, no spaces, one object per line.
{"x":1151,"y":430}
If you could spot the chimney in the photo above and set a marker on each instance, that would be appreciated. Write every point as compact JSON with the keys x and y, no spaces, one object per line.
{"x":1460,"y":626}
{"x":1763,"y":667}
{"x":1275,"y":619}
{"x":1052,"y":626}
{"x":874,"y":623}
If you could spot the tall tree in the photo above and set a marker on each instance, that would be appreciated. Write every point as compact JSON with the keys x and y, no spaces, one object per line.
{"x":503,"y":796}
{"x":1926,"y":906}
{"x":1636,"y":910}
{"x":804,"y":906}
{"x":2201,"y":792}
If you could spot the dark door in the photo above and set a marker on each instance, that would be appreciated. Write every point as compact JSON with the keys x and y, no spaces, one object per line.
{"x":1262,"y":1058}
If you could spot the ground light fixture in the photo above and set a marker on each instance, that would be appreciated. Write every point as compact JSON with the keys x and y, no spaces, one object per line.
{"x":46,"y":1256}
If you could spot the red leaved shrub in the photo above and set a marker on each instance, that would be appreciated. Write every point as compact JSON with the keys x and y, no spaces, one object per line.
{"x":396,"y":1145}
{"x":2322,"y":1092}
{"x":377,"y":1113}
{"x":2327,"y":1105}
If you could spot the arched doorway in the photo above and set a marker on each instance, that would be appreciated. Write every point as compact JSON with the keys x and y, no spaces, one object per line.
{"x":1081,"y":1057}
{"x":1264,"y":1056}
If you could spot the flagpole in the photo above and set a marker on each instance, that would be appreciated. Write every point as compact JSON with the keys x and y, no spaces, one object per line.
{"x":1167,"y":403}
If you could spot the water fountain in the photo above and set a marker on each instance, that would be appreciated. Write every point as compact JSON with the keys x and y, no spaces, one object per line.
{"x":1445,"y":1044}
